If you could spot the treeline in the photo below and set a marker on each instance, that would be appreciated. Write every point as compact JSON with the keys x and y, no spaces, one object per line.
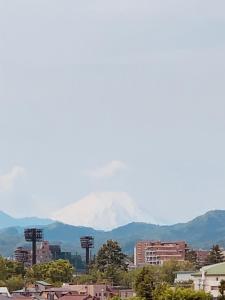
{"x":110,"y":266}
{"x":14,"y":276}
{"x":215,"y":256}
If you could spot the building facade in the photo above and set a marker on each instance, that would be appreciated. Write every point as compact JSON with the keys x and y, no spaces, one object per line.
{"x":23,"y":255}
{"x":209,"y":278}
{"x":44,"y":253}
{"x":157,"y":252}
{"x":202,"y":256}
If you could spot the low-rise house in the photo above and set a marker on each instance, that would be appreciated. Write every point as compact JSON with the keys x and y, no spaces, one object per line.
{"x":35,"y":291}
{"x":183,"y":276}
{"x":77,"y":297}
{"x":126,"y":293}
{"x":42,"y":285}
{"x":94,"y":290}
{"x":209,"y":278}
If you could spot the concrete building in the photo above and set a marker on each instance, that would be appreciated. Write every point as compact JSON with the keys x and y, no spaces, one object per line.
{"x":44,"y":253}
{"x":23,"y":255}
{"x":202,"y":256}
{"x":55,"y":251}
{"x":209,"y":278}
{"x":157,"y":252}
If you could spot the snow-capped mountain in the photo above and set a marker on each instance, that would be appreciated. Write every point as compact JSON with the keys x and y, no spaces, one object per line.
{"x":103,"y":210}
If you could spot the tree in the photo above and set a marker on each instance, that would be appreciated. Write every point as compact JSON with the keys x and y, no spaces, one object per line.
{"x":191,"y":256}
{"x":57,"y":271}
{"x":168,"y":293}
{"x":110,"y":260}
{"x":60,"y":271}
{"x":169,"y":269}
{"x":222,"y":289}
{"x":15,"y":283}
{"x":144,"y":284}
{"x":9,"y":268}
{"x":110,"y":254}
{"x":215,"y":255}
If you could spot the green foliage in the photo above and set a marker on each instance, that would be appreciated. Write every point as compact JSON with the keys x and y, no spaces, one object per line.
{"x":57,"y":271}
{"x":128,"y":278}
{"x":9,"y":268}
{"x":15,"y":283}
{"x":110,"y":261}
{"x":110,"y":255}
{"x":144,"y":284}
{"x":222,"y":289}
{"x":215,"y":255}
{"x":77,"y":262}
{"x":191,"y":256}
{"x":168,"y":293}
{"x":115,"y":298}
{"x":11,"y":274}
{"x":169,"y":268}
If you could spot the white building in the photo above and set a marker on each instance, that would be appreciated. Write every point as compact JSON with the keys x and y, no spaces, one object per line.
{"x":183,"y":276}
{"x":209,"y":278}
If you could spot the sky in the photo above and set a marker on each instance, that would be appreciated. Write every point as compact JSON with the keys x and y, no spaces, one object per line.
{"x":124,"y":97}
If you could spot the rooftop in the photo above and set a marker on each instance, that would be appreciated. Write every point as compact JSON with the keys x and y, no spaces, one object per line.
{"x":43,"y":283}
{"x":216,"y":269}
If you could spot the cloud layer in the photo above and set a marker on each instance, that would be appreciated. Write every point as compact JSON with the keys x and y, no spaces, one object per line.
{"x":7,"y":180}
{"x":108,"y":170}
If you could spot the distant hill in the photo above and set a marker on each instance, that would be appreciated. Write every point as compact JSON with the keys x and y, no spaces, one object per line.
{"x":201,"y":232}
{"x":8,"y":221}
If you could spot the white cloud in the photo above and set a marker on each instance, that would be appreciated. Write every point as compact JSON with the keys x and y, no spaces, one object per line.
{"x":7,"y":180}
{"x":108,"y":170}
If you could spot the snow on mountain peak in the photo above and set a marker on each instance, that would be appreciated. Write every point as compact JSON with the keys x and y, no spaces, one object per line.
{"x":102,"y":210}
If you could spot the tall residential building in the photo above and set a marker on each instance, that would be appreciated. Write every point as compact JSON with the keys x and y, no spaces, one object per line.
{"x":157,"y":252}
{"x":23,"y":255}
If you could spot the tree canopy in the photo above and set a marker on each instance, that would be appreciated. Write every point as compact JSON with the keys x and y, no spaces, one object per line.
{"x":110,"y":255}
{"x":145,"y":284}
{"x":57,"y":271}
{"x":215,"y":255}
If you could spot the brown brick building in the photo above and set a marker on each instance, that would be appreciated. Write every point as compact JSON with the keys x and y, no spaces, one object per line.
{"x":157,"y":252}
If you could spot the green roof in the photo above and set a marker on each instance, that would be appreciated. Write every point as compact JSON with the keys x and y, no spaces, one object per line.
{"x":217,"y":269}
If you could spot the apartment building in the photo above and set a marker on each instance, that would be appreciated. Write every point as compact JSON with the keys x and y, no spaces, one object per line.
{"x":201,"y":256}
{"x":44,"y":254}
{"x":157,"y":252}
{"x":23,"y":255}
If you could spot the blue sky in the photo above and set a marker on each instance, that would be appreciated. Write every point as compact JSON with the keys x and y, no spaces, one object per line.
{"x":131,"y":90}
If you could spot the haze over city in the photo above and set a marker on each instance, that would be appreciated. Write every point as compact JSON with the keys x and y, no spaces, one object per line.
{"x":112,"y":106}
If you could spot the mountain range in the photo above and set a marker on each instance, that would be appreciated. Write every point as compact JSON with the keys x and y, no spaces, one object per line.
{"x":201,"y":232}
{"x":8,"y":221}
